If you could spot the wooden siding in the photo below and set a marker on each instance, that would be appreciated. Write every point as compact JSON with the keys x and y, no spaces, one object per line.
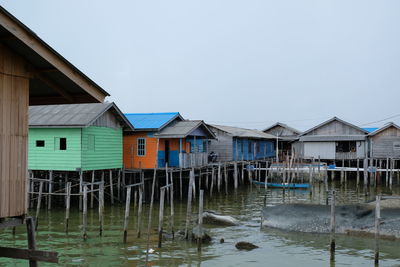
{"x":107,"y":120}
{"x":14,"y":98}
{"x":336,"y":128}
{"x":107,"y":150}
{"x":222,"y":146}
{"x":324,"y":150}
{"x":131,"y":159}
{"x":386,"y":144}
{"x":50,"y":157}
{"x":281,"y":131}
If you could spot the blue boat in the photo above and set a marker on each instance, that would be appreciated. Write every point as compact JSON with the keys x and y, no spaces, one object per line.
{"x":283,"y":185}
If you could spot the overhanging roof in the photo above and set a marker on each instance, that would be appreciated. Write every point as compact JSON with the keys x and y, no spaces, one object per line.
{"x":331,"y":138}
{"x":284,"y":126}
{"x":243,"y":133}
{"x":73,"y":115}
{"x":152,"y":121}
{"x":386,"y":126}
{"x":331,"y":120}
{"x":54,"y":79}
{"x":183,"y":129}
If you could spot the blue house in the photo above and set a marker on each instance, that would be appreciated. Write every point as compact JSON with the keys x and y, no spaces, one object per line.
{"x":234,"y":143}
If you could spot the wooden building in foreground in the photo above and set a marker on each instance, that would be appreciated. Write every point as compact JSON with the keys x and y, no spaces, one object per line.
{"x":234,"y":143}
{"x":76,"y":137}
{"x":334,"y":139}
{"x":385,"y":142}
{"x":31,"y":73}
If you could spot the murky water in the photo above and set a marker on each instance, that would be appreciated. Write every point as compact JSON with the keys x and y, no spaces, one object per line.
{"x":277,"y":248}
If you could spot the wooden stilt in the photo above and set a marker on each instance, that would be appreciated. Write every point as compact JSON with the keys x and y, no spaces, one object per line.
{"x":30,"y":228}
{"x":127,"y":209}
{"x":85,"y":212}
{"x":189,"y":204}
{"x":161,"y":217}
{"x":50,"y":189}
{"x":92,"y":191}
{"x":101,"y":207}
{"x":140,"y":212}
{"x":201,"y":198}
{"x":38,"y":205}
{"x":67,"y":206}
{"x":333,"y":223}
{"x":151,"y":211}
{"x":111,"y":188}
{"x":377,"y":227}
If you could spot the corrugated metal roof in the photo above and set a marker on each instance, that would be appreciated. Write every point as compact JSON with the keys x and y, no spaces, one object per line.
{"x":242,"y":132}
{"x":284,"y":126}
{"x":327,"y":138}
{"x":71,"y":115}
{"x":329,"y":121}
{"x":387,"y":125}
{"x":182,"y":129}
{"x":151,"y":121}
{"x":371,"y":129}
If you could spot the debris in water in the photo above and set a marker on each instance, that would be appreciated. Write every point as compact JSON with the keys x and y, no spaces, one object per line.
{"x":245,"y":246}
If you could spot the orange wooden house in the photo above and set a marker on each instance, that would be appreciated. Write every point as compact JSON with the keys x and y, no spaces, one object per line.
{"x":162,"y":139}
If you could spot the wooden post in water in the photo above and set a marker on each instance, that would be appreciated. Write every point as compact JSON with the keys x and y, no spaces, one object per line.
{"x":365,"y":166}
{"x":30,"y":227}
{"x":333,"y":224}
{"x":212,"y":180}
{"x":387,"y":171}
{"x":226,"y":179}
{"x":80,"y":189}
{"x":219,"y":177}
{"x":377,"y":224}
{"x":172,"y":208}
{"x":391,"y":173}
{"x":180,"y":183}
{"x":119,"y":185}
{"x":139,"y":224}
{"x":358,"y":171}
{"x":201,"y":198}
{"x":85,"y":212}
{"x":92,"y":189}
{"x":50,"y":189}
{"x":189,"y":205}
{"x":235,"y":175}
{"x":101,"y":207}
{"x":151,"y":211}
{"x":67,"y":206}
{"x":111,"y":188}
{"x":127,"y":208}
{"x":38,"y":205}
{"x":161,"y":217}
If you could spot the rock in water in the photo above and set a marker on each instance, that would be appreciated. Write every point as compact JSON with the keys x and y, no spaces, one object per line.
{"x":245,"y":246}
{"x":199,"y":233}
{"x":216,"y":219}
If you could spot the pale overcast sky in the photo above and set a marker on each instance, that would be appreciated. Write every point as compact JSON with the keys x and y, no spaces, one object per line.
{"x":245,"y":63}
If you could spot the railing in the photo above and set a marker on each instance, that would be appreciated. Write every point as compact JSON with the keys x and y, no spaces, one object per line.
{"x":346,"y":155}
{"x":188,"y":160}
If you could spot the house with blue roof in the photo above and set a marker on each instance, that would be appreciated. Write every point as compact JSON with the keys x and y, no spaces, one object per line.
{"x":165,"y":139}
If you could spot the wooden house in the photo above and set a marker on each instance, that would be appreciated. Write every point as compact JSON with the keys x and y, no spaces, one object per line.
{"x":285,"y":135}
{"x":162,"y":139}
{"x":234,"y":143}
{"x":334,"y":139}
{"x":385,"y":142}
{"x":31,"y":73}
{"x":76,"y":137}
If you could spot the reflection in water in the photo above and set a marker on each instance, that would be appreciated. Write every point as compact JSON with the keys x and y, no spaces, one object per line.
{"x":276,"y":247}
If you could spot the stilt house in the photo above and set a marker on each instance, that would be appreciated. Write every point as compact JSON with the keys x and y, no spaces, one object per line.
{"x":334,"y":139}
{"x":162,"y":139}
{"x":286,"y":135}
{"x":76,"y":137}
{"x":234,"y":143}
{"x":385,"y":142}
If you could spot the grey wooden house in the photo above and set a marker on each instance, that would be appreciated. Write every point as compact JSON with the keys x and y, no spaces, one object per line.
{"x":334,"y":139}
{"x":286,"y":136}
{"x":385,"y":142}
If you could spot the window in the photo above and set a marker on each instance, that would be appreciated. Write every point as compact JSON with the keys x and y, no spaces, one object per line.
{"x":40,"y":143}
{"x":141,"y":146}
{"x":60,"y":143}
{"x":91,"y":142}
{"x":346,"y":146}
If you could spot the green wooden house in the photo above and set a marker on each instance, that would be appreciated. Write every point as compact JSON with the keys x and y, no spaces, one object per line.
{"x":76,"y":137}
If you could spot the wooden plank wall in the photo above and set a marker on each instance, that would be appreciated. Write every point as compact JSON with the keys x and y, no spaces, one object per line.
{"x":14,"y":99}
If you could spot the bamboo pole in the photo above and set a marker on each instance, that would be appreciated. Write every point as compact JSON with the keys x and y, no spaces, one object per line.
{"x":111,"y":188}
{"x":50,"y":190}
{"x":333,"y":224}
{"x":92,"y":191}
{"x":101,"y":207}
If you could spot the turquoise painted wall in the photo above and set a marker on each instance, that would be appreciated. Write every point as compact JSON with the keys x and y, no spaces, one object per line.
{"x":50,"y":157}
{"x":101,"y":148}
